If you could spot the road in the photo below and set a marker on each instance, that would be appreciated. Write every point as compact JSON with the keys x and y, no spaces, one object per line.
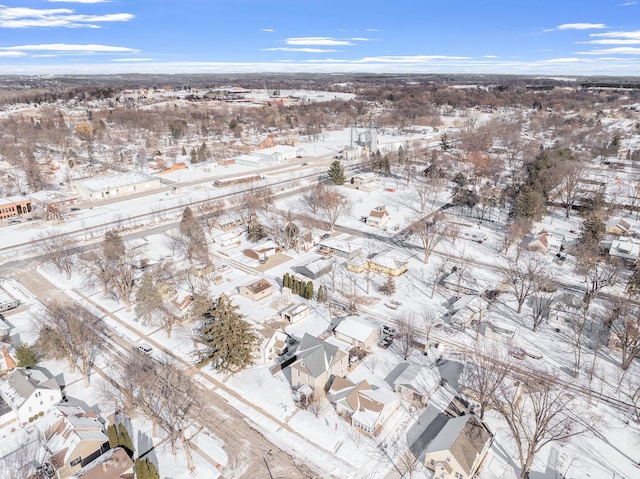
{"x":245,"y":445}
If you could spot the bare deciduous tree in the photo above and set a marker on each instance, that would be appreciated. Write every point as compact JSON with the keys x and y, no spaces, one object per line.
{"x":60,"y":251}
{"x":541,"y":414}
{"x":522,"y":275}
{"x":70,"y":332}
{"x":624,"y":321}
{"x":334,"y":206}
{"x":431,"y":233}
{"x":407,"y":333}
{"x":597,"y":275}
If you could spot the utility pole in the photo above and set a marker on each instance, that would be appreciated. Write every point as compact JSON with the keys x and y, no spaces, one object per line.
{"x":267,"y":464}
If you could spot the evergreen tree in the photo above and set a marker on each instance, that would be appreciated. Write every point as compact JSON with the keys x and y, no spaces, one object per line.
{"x":194,"y":155}
{"x":184,"y":151}
{"x":112,"y":433}
{"x":322,"y":293}
{"x":227,"y":340}
{"x":286,"y":280}
{"x":336,"y":173}
{"x":309,"y":290}
{"x":202,"y":152}
{"x":148,"y":298}
{"x":124,"y":439}
{"x":26,"y":356}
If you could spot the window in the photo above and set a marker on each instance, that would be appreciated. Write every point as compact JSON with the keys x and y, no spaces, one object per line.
{"x":432,"y":462}
{"x":76,"y":461}
{"x":38,"y":394}
{"x":448,"y":458}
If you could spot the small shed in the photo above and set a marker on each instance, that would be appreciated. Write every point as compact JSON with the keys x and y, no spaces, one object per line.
{"x":257,"y":290}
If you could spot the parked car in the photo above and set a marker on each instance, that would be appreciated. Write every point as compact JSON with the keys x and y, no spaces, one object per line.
{"x":75,"y":208}
{"x":224,"y":267}
{"x":388,"y":330}
{"x":326,"y":235}
{"x":385,"y":342}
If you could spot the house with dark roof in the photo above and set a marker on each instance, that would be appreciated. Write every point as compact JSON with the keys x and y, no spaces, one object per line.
{"x":316,"y":363}
{"x":458,"y":449}
{"x":565,"y":309}
{"x":28,"y":394}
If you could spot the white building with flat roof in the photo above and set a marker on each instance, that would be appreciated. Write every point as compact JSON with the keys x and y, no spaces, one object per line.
{"x":111,"y":186}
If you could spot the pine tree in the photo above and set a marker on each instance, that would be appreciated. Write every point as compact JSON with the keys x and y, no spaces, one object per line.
{"x":124,"y":439}
{"x":227,"y":340}
{"x":194,"y":155}
{"x":309,"y":290}
{"x":202,"y":152}
{"x":26,"y":356}
{"x":633,"y":286}
{"x":112,"y":433}
{"x":148,"y":299}
{"x":184,"y":151}
{"x":286,"y":280}
{"x":336,"y":173}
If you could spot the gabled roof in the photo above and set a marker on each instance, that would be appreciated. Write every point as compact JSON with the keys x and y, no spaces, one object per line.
{"x":411,"y":376}
{"x":315,"y":355}
{"x":19,"y":386}
{"x":356,"y":327}
{"x":111,"y":465}
{"x":464,"y":437}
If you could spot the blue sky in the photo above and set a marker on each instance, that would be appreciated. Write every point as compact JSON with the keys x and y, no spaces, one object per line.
{"x":563,"y":37}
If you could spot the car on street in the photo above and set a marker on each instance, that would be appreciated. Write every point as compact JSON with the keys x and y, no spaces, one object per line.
{"x":326,"y":235}
{"x":224,"y":267}
{"x":385,"y":342}
{"x":388,"y":331}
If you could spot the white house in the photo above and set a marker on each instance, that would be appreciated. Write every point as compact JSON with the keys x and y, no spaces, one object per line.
{"x":366,"y":181}
{"x":357,"y":331}
{"x":379,"y":216}
{"x":473,"y":234}
{"x":414,"y":383}
{"x":27,"y":395}
{"x":273,"y":344}
{"x":565,"y":309}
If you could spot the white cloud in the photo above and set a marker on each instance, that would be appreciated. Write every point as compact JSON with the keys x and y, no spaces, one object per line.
{"x":371,"y":29}
{"x":268,"y":30}
{"x":612,"y":41}
{"x":326,"y":41}
{"x":66,"y":47}
{"x":12,"y":54}
{"x":132,"y":60}
{"x":490,"y":56}
{"x":360,"y":39}
{"x":409,"y":58}
{"x":19,"y":17}
{"x":627,"y":4}
{"x":302,"y":50}
{"x":564,"y":60}
{"x":614,"y":51}
{"x":634,"y":35}
{"x":577,"y":26}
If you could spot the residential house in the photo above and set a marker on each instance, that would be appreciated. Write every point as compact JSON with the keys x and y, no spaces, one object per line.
{"x":365,"y":408}
{"x":458,"y":449}
{"x":358,"y":332}
{"x":113,"y":464}
{"x":122,"y":184}
{"x":309,"y":240}
{"x":74,"y":437}
{"x":29,"y":392}
{"x":366,"y":181}
{"x":257,"y":290}
{"x":379,"y":216}
{"x":391,"y":262}
{"x":315,"y":268}
{"x":316,"y":362}
{"x":229,"y":238}
{"x":229,"y":221}
{"x":7,"y":302}
{"x":273,"y":344}
{"x":625,"y":248}
{"x":467,"y":310}
{"x":565,"y":309}
{"x":544,"y":242}
{"x":263,"y":250}
{"x":414,"y":383}
{"x":499,"y":331}
{"x":295,"y":313}
{"x":461,"y":282}
{"x":621,"y":227}
{"x":341,"y":248}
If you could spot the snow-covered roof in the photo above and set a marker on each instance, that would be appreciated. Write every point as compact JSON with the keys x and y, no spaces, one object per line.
{"x":19,"y":386}
{"x":412,"y":377}
{"x":357,"y":328}
{"x":111,"y":464}
{"x":315,"y":355}
{"x":121,"y":180}
{"x":339,"y":245}
{"x":318,"y":264}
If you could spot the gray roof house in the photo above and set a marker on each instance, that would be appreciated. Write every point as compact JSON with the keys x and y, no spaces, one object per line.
{"x":316,"y":362}
{"x":414,"y":383}
{"x":27,"y":395}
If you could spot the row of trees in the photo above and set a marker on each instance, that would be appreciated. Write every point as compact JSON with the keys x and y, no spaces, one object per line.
{"x":302,"y":288}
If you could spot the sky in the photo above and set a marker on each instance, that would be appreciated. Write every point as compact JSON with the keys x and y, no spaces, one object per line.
{"x":549,"y":37}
